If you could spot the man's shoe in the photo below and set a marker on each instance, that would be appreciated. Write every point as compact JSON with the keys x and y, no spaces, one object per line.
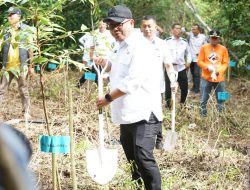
{"x":78,"y":85}
{"x":159,"y":145}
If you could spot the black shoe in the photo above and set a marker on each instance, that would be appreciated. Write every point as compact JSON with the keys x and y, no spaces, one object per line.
{"x":78,"y":85}
{"x":159,"y":145}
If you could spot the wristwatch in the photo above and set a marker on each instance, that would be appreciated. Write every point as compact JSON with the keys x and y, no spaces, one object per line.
{"x":108,"y":97}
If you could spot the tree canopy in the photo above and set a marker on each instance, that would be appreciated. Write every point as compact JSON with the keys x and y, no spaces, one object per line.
{"x":228,"y":16}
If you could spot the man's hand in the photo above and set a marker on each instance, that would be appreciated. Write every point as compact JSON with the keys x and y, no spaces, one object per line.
{"x":174,"y":87}
{"x":187,"y":65}
{"x":100,"y":61}
{"x":101,"y":102}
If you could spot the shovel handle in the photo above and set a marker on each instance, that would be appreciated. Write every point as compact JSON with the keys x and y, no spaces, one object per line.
{"x":100,"y":72}
{"x":173,"y":106}
{"x":173,"y":113}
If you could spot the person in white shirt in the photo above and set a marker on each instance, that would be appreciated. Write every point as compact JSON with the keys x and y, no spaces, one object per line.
{"x":162,"y":59}
{"x":134,"y":96}
{"x":196,"y":40}
{"x":181,"y":60}
{"x":100,"y":42}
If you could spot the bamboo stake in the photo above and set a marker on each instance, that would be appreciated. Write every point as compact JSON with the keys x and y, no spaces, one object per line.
{"x":54,"y":164}
{"x":65,"y":83}
{"x":72,"y":142}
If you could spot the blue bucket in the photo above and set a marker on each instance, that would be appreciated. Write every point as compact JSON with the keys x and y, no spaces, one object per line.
{"x":52,"y":66}
{"x":223,"y":96}
{"x":37,"y":68}
{"x":232,"y":63}
{"x":89,"y":76}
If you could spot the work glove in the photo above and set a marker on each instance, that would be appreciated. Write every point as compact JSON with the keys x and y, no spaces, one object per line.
{"x":213,"y":76}
{"x":211,"y":68}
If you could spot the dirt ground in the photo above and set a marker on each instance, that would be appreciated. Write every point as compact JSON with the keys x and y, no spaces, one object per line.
{"x":212,"y":153}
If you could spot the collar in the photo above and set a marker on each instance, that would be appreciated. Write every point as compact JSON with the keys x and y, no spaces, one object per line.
{"x":197,"y":35}
{"x":174,"y":38}
{"x":155,"y":38}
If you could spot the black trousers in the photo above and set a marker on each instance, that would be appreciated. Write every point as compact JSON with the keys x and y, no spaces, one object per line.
{"x":196,"y":74}
{"x":183,"y":83}
{"x":138,"y":141}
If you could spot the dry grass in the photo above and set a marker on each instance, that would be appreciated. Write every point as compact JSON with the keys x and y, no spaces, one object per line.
{"x":211,"y":156}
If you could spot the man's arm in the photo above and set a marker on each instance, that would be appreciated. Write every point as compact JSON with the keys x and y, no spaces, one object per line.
{"x":188,"y":56}
{"x":201,"y":59}
{"x":113,"y":95}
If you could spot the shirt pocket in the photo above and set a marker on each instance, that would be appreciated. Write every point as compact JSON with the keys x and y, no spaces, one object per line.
{"x":124,"y":64}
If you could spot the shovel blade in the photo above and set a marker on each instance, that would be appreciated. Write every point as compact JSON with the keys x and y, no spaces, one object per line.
{"x":102,"y":167}
{"x":170,"y":141}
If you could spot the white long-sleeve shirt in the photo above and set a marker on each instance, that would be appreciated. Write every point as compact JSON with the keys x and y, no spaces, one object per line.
{"x":132,"y":74}
{"x":195,"y":43}
{"x":162,"y":56}
{"x":180,"y":52}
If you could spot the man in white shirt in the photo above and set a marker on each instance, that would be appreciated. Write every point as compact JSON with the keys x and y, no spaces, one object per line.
{"x":100,"y":42}
{"x":136,"y":101}
{"x":181,"y":60}
{"x":196,"y":40}
{"x":162,"y":59}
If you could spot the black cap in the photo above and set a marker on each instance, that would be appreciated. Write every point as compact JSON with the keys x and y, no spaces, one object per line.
{"x":14,"y":10}
{"x":118,"y":13}
{"x":214,"y":33}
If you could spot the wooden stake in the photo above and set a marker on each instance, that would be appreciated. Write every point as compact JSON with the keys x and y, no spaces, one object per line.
{"x":54,"y":172}
{"x":72,"y":141}
{"x":54,"y":164}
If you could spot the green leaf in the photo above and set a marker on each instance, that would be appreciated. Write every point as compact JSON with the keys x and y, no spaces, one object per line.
{"x":44,"y":20}
{"x":15,"y":71}
{"x":53,"y":61}
{"x":48,"y":54}
{"x":239,"y":43}
{"x":40,"y":60}
{"x":92,"y":2}
{"x":84,"y":27}
{"x":79,"y":65}
{"x":6,"y":75}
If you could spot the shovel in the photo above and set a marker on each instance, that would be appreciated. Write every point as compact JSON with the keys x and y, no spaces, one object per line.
{"x":171,"y":136}
{"x":101,"y":162}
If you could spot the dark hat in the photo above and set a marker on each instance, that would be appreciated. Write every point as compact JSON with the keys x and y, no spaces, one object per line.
{"x":214,"y":33}
{"x":14,"y":10}
{"x":118,"y":14}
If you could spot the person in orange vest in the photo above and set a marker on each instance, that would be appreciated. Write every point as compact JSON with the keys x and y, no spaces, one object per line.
{"x":213,"y":60}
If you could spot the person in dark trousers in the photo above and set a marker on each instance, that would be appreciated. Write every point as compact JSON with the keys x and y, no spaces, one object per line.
{"x":17,"y":56}
{"x":213,"y":60}
{"x":195,"y":41}
{"x":136,"y":103}
{"x":181,"y":60}
{"x":162,"y":59}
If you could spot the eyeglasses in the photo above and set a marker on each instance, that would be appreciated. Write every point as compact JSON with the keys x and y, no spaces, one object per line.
{"x":112,"y":26}
{"x":214,"y":37}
